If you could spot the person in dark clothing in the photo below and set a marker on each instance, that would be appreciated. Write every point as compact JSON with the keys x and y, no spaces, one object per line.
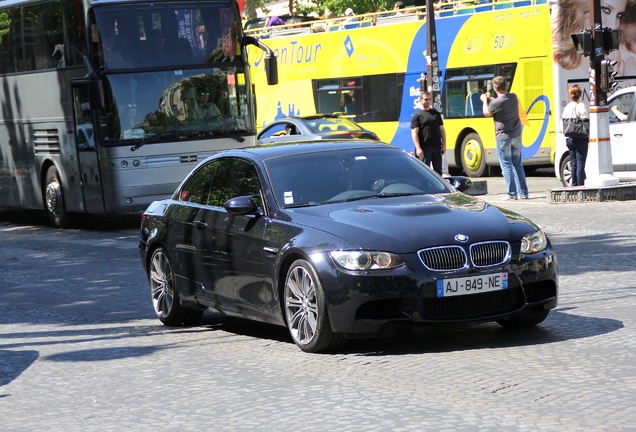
{"x":576,"y":145}
{"x":427,"y":131}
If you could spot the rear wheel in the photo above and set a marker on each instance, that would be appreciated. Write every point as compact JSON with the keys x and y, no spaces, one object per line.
{"x":165,"y":298}
{"x":527,"y":318}
{"x":306,"y":311}
{"x":54,"y":199}
{"x":566,"y":171}
{"x":472,"y":156}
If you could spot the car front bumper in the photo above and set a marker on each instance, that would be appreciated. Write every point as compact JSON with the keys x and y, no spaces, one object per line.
{"x":367,"y":302}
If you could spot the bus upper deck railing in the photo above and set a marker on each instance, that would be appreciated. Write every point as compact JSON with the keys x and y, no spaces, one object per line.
{"x":381,"y":18}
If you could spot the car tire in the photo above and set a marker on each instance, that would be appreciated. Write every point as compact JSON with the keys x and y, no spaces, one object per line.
{"x":164,"y":295}
{"x":473,"y":157}
{"x":54,"y":200}
{"x":306,"y":312}
{"x":527,"y":318}
{"x":565,"y":171}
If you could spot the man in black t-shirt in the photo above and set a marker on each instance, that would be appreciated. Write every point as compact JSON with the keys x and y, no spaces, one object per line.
{"x":429,"y":137}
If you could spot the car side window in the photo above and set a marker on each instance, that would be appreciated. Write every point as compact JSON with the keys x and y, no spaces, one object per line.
{"x":233,"y":177}
{"x":197,"y":188}
{"x":274,"y":131}
{"x":623,"y":103}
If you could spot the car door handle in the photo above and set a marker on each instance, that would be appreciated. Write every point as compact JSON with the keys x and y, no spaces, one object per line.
{"x":200,"y":225}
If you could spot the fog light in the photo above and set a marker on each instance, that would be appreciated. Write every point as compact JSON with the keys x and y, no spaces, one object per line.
{"x":124,"y":164}
{"x":129,"y":200}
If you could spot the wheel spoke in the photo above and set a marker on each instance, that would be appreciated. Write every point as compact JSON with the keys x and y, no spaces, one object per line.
{"x":294,"y":283}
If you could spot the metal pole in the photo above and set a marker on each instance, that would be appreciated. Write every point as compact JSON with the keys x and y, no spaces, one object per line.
{"x":598,"y":166}
{"x":432,"y":60}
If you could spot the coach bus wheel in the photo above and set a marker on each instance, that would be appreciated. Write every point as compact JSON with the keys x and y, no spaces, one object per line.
{"x":566,"y":171}
{"x":472,"y":156}
{"x":54,"y":199}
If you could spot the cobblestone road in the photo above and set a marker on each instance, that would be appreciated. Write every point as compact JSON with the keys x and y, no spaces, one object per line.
{"x":80,"y":349}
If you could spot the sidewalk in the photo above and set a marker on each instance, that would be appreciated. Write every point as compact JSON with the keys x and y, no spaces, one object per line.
{"x":539,"y":183}
{"x":546,"y":188}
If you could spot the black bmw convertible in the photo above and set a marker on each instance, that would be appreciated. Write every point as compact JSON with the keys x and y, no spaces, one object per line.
{"x":340,"y":239}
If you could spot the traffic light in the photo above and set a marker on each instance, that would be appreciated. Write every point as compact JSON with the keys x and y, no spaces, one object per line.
{"x":611,"y":40}
{"x":608,"y":74}
{"x":583,"y":42}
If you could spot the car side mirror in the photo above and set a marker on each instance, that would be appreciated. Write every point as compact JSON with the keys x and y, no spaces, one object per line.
{"x":460,"y":183}
{"x":242,"y":205}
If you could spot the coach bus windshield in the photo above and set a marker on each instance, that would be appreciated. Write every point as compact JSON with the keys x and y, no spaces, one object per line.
{"x":170,"y":71}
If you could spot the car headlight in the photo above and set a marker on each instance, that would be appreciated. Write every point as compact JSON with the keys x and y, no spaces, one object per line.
{"x":365,"y":260}
{"x":534,"y":242}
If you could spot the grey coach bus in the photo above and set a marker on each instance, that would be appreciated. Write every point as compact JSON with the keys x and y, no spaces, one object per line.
{"x":107,"y":105}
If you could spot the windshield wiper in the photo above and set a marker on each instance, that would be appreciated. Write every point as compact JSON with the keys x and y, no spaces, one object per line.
{"x":383,"y":195}
{"x":398,"y":194}
{"x":179,"y":135}
{"x":153,"y":138}
{"x":307,"y":204}
{"x":358,"y":198}
{"x":233,"y":134}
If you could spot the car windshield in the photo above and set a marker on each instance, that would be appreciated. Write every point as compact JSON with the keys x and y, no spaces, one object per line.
{"x":331,"y":124}
{"x":349,"y":174}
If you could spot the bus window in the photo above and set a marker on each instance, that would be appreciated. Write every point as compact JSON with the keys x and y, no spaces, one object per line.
{"x":175,"y":34}
{"x":374,"y":98}
{"x":34,"y":37}
{"x":463,"y":87}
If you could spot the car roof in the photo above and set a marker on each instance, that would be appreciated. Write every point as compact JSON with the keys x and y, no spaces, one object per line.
{"x":308,"y":117}
{"x":262,"y":152}
{"x":617,"y":93}
{"x":316,"y":116}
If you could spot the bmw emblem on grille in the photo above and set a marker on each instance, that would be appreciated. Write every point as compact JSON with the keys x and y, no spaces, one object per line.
{"x":463,"y":238}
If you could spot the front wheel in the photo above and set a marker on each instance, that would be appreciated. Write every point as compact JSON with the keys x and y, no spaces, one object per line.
{"x":306,"y":311}
{"x":165,"y":298}
{"x":565,"y":170}
{"x":54,"y":199}
{"x":473,"y":157}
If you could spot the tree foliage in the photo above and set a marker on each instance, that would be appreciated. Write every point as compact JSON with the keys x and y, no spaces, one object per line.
{"x":318,"y":7}
{"x":339,"y":6}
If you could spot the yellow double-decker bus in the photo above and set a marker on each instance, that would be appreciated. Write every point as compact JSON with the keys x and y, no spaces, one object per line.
{"x":370,"y":70}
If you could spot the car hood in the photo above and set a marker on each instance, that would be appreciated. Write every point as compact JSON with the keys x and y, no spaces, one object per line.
{"x":407,"y":224}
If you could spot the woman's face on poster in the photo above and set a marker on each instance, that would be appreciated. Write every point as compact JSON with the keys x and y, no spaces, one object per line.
{"x":611,"y":12}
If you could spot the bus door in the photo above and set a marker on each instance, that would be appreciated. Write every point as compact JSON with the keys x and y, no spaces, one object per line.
{"x":85,"y":140}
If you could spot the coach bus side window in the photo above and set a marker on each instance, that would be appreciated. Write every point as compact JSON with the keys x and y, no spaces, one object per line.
{"x":35,"y":38}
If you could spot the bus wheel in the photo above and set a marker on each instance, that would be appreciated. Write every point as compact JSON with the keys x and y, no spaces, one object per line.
{"x":566,"y":171}
{"x":54,"y":199}
{"x":472,"y":156}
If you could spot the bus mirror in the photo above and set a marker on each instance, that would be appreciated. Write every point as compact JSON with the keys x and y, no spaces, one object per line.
{"x":96,"y":91}
{"x":271,"y":69}
{"x":271,"y":66}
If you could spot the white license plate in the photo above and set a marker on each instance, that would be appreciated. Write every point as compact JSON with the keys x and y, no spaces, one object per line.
{"x":472,"y":284}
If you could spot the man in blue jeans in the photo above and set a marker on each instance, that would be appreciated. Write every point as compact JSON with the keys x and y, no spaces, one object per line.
{"x":504,"y":109}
